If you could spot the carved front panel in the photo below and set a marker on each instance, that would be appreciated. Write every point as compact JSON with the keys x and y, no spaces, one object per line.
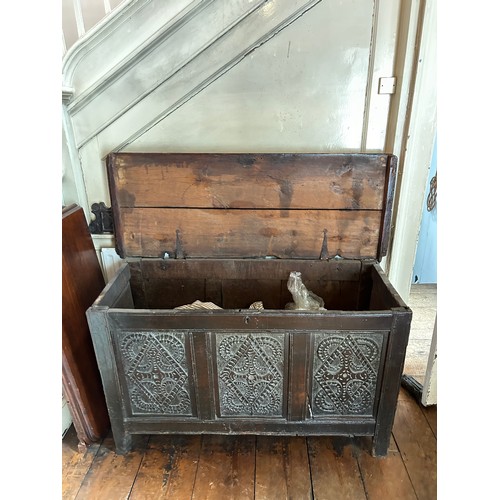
{"x":250,"y":374}
{"x":156,"y":372}
{"x":346,"y":367}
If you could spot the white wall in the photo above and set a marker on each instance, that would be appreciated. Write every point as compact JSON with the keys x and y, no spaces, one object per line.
{"x":234,"y":76}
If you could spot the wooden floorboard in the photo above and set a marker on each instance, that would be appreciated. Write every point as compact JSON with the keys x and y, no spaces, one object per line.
{"x":423,"y":303}
{"x":111,"y":475}
{"x":226,"y":468}
{"x":417,"y":445}
{"x":260,"y":467}
{"x":334,"y":468}
{"x":386,"y":478}
{"x":168,"y":469}
{"x":75,"y":464}
{"x":430,"y":413}
{"x":282,"y":468}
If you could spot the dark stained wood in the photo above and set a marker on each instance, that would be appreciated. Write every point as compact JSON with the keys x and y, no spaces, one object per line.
{"x":111,"y":475}
{"x":75,"y":463}
{"x":348,"y":298}
{"x":150,"y":232}
{"x":101,"y":338}
{"x":115,"y":289}
{"x":390,"y":297}
{"x":365,"y":285}
{"x":282,"y":468}
{"x":300,"y":352}
{"x":168,"y":468}
{"x":237,"y":293}
{"x":167,"y":294}
{"x":381,"y":297}
{"x":123,"y":319}
{"x":252,"y":426}
{"x":386,"y":478}
{"x":226,"y":468}
{"x":82,"y":282}
{"x":286,"y":181}
{"x":213,"y":291}
{"x":391,"y":380}
{"x":202,"y":366}
{"x":334,"y":469}
{"x":417,"y":445}
{"x":138,"y":284}
{"x":385,"y":229}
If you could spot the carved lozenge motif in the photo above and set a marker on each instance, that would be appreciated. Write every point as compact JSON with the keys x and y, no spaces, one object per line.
{"x":250,"y":368}
{"x":345,"y":373}
{"x":156,"y":372}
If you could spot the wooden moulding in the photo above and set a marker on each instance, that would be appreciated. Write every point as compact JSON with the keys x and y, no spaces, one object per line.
{"x":140,"y":319}
{"x":155,"y":426}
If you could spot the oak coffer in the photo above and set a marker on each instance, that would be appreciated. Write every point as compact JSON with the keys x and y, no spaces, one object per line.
{"x":227,"y":231}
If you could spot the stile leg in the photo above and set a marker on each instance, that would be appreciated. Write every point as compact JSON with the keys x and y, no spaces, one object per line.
{"x":380,"y":444}
{"x":124,"y":442}
{"x":393,"y":371}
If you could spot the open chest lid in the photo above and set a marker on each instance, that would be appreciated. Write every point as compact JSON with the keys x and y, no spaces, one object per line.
{"x":206,"y":205}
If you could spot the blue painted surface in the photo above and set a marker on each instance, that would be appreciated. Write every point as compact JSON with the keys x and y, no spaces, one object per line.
{"x":425,"y":267}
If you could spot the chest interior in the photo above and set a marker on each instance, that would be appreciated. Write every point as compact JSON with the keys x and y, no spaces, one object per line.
{"x":238,"y":283}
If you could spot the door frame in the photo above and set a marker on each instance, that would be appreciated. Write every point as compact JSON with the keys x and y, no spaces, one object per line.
{"x":413,"y":121}
{"x":414,"y":129}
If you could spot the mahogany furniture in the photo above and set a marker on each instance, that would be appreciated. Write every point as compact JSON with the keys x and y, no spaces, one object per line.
{"x":82,"y":281}
{"x":229,"y":229}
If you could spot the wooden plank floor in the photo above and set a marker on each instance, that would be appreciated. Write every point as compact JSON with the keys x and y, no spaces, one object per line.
{"x":423,"y":303}
{"x":260,"y":467}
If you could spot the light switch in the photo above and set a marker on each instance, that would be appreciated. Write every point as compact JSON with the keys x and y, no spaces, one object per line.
{"x":387,"y":85}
